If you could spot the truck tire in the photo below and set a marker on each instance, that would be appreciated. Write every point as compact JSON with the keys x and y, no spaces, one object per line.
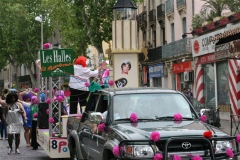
{"x":73,"y":154}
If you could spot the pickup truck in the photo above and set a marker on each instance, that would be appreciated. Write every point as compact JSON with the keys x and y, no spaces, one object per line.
{"x":167,"y":113}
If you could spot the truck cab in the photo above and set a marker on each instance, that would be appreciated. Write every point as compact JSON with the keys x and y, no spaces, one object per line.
{"x":155,"y":109}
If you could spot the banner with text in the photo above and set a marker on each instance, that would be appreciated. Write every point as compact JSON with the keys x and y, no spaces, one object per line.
{"x":56,"y":62}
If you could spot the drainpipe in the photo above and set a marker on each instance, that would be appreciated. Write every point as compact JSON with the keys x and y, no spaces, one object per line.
{"x":193,"y":8}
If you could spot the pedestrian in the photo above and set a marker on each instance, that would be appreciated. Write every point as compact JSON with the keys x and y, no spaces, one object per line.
{"x":3,"y":127}
{"x":28,"y":123}
{"x":78,"y":81}
{"x":184,"y":91}
{"x":34,"y":112}
{"x":14,"y":121}
{"x":189,"y":92}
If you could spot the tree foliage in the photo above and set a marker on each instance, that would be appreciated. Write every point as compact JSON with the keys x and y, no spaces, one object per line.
{"x":83,"y":22}
{"x":20,"y":33}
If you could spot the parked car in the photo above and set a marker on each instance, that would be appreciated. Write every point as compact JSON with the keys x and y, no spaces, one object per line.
{"x":211,"y":112}
{"x":155,"y":109}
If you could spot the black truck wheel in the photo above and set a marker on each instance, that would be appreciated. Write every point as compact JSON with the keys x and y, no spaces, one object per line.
{"x":73,"y":154}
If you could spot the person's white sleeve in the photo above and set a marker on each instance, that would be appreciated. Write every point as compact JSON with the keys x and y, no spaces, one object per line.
{"x":92,"y":73}
{"x":104,"y":115}
{"x":26,"y":104}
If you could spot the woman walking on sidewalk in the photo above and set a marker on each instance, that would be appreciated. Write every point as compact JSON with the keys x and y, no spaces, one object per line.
{"x":14,"y":112}
{"x":28,"y":123}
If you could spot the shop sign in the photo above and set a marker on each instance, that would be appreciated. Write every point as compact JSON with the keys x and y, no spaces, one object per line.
{"x":227,"y":50}
{"x":222,"y":51}
{"x":208,"y":58}
{"x":205,"y":44}
{"x":182,"y":67}
{"x":56,"y":62}
{"x":156,"y":70}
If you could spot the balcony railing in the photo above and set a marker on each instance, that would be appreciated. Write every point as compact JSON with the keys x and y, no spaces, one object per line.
{"x":152,"y":16}
{"x":142,"y":19}
{"x":153,"y":55}
{"x":177,"y":48}
{"x":181,"y":3}
{"x":169,"y":6}
{"x":161,"y":12}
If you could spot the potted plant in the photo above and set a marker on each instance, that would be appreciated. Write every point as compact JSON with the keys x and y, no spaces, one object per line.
{"x":197,"y":21}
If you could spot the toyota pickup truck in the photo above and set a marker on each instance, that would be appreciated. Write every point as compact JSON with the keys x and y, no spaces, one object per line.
{"x":166,"y":113}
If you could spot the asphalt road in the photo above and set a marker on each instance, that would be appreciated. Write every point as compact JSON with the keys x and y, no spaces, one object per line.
{"x":28,"y":154}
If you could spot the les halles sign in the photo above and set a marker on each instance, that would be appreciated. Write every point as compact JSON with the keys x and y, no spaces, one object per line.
{"x":56,"y":62}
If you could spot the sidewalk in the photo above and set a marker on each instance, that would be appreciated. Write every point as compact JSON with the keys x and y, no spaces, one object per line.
{"x":226,"y":126}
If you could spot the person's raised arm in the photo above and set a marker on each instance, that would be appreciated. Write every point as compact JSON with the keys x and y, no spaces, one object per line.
{"x":22,"y":110}
{"x":24,"y":103}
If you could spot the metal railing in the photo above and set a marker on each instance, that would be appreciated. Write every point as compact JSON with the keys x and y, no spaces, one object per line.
{"x":154,"y":54}
{"x":152,"y":16}
{"x":177,"y":48}
{"x":142,"y":18}
{"x":161,"y":12}
{"x":169,"y":6}
{"x":181,"y":3}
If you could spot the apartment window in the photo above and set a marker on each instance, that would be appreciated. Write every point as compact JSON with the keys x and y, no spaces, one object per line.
{"x":184,"y":25}
{"x":154,"y":38}
{"x":173,"y":32}
{"x":163,"y":36}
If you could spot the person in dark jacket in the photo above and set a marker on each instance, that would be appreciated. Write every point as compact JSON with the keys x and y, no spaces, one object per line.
{"x":3,"y":127}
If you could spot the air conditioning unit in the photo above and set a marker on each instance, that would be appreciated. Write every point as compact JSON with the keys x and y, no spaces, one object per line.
{"x":188,"y":76}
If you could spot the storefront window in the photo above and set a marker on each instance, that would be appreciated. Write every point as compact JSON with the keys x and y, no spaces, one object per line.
{"x":223,"y":84}
{"x":157,"y":82}
{"x":209,"y":85}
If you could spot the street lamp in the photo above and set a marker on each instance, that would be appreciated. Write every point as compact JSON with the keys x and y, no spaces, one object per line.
{"x":39,"y":19}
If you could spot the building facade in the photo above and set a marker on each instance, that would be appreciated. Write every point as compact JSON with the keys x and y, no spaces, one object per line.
{"x":164,"y":26}
{"x":215,"y":49}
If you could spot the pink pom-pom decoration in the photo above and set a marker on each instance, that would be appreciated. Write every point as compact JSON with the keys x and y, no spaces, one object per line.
{"x":203,"y":118}
{"x":35,"y":115}
{"x":111,"y":82}
{"x":60,"y":99}
{"x":133,"y":117}
{"x":51,"y":120}
{"x":47,"y":111}
{"x":155,"y":136}
{"x":196,"y":158}
{"x":158,"y":156}
{"x":36,"y":90}
{"x":229,"y":153}
{"x":177,"y":117}
{"x":238,"y":138}
{"x":177,"y":157}
{"x":55,"y":98}
{"x":87,"y":84}
{"x":101,"y":127}
{"x":48,"y":101}
{"x":116,"y":151}
{"x":46,"y":45}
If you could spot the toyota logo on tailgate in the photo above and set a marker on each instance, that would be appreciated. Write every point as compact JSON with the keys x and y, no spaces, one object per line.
{"x":186,"y":145}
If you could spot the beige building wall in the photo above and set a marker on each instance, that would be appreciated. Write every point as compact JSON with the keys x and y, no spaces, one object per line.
{"x":192,"y":7}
